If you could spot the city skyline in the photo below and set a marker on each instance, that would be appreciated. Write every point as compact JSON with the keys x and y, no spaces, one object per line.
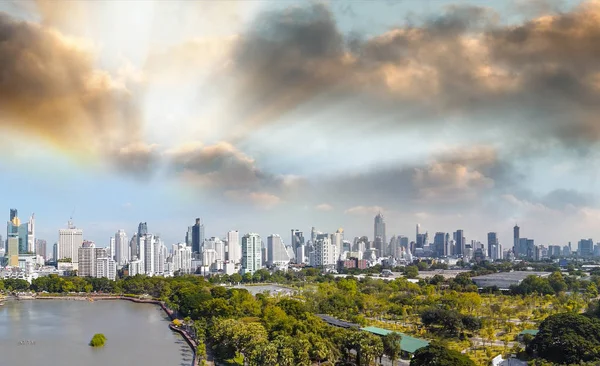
{"x":162,"y":126}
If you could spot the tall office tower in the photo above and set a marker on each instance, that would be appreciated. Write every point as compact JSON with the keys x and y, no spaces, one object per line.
{"x":197,"y":236}
{"x":325,"y":253}
{"x":418,"y":232}
{"x":69,"y":242}
{"x":55,"y":252}
{"x":301,"y":254}
{"x":447,"y":247}
{"x":379,"y":246}
{"x":297,"y":238}
{"x":585,"y":248}
{"x":31,"y":234}
{"x":121,"y":248}
{"x":379,"y":229}
{"x":337,"y":238}
{"x":111,"y":248}
{"x":23,"y":232}
{"x":516,"y":237}
{"x":313,"y":234}
{"x":439,"y":244}
{"x":251,"y":253}
{"x":134,"y":248}
{"x":459,"y":246}
{"x":492,"y":245}
{"x":277,"y":254}
{"x":235,"y":250}
{"x":40,"y":248}
{"x":188,"y":236}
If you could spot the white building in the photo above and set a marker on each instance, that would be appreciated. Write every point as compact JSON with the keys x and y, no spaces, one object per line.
{"x":182,"y":258}
{"x":69,"y":242}
{"x":325,"y":253}
{"x":235,"y":250}
{"x":277,"y":254}
{"x":301,"y":254}
{"x":337,"y":239}
{"x":95,"y":262}
{"x":160,"y":256}
{"x":251,"y":253}
{"x":106,"y":267}
{"x":111,"y":248}
{"x":136,"y":267}
{"x":147,"y":242}
{"x":121,"y":248}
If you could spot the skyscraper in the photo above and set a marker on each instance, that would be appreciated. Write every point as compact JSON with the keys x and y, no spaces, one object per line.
{"x":69,"y":242}
{"x":233,"y":243}
{"x":188,"y":236}
{"x":277,"y":254}
{"x":251,"y":253}
{"x":111,"y":248}
{"x":197,"y":236}
{"x":40,"y":248}
{"x":492,"y":244}
{"x":439,"y":244}
{"x":297,"y":238}
{"x":379,"y":230}
{"x":121,"y":248}
{"x":23,"y":232}
{"x":459,"y":239}
{"x":585,"y":248}
{"x":516,"y":237}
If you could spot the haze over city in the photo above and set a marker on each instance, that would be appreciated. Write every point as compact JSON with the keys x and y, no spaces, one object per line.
{"x":264,"y":116}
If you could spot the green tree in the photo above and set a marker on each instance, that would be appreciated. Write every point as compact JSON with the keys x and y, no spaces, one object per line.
{"x":391,"y":346}
{"x":437,"y":355}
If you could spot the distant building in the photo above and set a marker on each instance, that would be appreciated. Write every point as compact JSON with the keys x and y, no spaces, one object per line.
{"x":40,"y":248}
{"x":439,"y":244}
{"x":122,"y":256}
{"x":493,"y":246}
{"x":197,"y":236}
{"x":251,"y":253}
{"x":516,"y":238}
{"x":235,"y":250}
{"x":585,"y":248}
{"x":459,"y":243}
{"x":325,"y":253}
{"x":503,"y":280}
{"x":277,"y":254}
{"x":379,"y":231}
{"x":69,"y":242}
{"x":95,"y":262}
{"x":182,"y":258}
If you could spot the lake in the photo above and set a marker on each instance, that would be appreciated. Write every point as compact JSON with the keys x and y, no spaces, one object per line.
{"x":136,"y":334}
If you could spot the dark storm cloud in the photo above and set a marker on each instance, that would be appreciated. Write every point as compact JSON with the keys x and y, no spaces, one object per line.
{"x":541,"y":76}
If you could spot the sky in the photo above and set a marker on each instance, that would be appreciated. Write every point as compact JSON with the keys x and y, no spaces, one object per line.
{"x":265,"y":116}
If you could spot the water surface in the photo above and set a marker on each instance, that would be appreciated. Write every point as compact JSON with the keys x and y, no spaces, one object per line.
{"x":137,"y":334}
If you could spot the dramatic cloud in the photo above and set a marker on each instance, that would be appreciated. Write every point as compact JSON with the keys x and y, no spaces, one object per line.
{"x":50,"y":89}
{"x":364,"y":210}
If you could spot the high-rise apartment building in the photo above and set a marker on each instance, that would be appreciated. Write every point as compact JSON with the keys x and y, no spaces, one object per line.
{"x":134,"y":248}
{"x":325,"y":253}
{"x":379,"y":229}
{"x":182,"y":258}
{"x":235,"y":249}
{"x":111,"y":248}
{"x":337,"y":239}
{"x":251,"y":253}
{"x":69,"y":242}
{"x":121,"y":248}
{"x":297,"y":238}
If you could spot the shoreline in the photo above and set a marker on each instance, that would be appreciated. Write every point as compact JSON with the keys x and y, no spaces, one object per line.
{"x":188,"y":339}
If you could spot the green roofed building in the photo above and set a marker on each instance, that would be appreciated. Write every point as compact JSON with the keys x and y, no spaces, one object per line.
{"x":532,"y":332}
{"x":408,"y":344}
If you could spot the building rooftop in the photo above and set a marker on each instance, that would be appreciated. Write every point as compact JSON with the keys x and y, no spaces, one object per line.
{"x":515,"y":275}
{"x":533,"y":332}
{"x":336,"y":322}
{"x":407,"y":344}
